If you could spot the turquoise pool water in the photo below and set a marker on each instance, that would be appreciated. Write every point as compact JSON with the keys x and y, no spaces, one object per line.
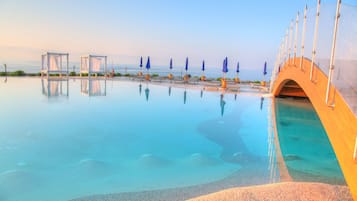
{"x":63,"y":140}
{"x":304,"y":144}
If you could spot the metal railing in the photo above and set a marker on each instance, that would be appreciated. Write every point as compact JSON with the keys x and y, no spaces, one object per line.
{"x":329,"y":33}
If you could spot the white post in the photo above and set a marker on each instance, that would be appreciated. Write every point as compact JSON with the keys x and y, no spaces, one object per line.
{"x":67,"y":57}
{"x":105,"y":67}
{"x":332,"y":58}
{"x":290,"y":39}
{"x":282,"y":53}
{"x":315,"y":38}
{"x":273,"y":75}
{"x":303,"y":38}
{"x":286,"y":46}
{"x":42,"y":63}
{"x":279,"y":56}
{"x":60,"y":65}
{"x":48,"y":64}
{"x":89,"y":65}
{"x":80,"y":67}
{"x":277,"y":62}
{"x":296,"y":35}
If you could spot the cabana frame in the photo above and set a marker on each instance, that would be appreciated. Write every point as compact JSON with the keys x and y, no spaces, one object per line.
{"x":54,"y":63}
{"x":93,"y":64}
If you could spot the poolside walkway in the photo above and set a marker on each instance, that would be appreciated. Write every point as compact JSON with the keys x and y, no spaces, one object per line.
{"x":282,"y":191}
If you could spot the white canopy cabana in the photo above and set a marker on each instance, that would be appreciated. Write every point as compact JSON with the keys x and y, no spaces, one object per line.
{"x":93,"y":64}
{"x":56,"y":63}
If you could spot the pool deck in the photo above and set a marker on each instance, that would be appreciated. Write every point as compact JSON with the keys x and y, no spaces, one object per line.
{"x":281,"y":192}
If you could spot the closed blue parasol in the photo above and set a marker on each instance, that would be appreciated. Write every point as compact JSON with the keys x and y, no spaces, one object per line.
{"x":265,"y":69}
{"x":171,"y":63}
{"x":141,"y":62}
{"x":237,"y":67}
{"x":186,"y":67}
{"x":225,"y":65}
{"x":203,"y":65}
{"x":148,"y":64}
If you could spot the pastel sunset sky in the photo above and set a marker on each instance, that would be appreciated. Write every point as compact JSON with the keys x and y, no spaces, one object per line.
{"x":245,"y":31}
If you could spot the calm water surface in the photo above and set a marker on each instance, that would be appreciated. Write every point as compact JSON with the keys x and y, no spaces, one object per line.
{"x":62,"y":140}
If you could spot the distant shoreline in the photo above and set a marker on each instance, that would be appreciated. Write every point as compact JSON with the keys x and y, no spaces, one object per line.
{"x":153,"y":76}
{"x":210,"y":84}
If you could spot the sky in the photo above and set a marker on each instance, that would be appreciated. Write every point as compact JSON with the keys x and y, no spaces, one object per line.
{"x":246,"y":31}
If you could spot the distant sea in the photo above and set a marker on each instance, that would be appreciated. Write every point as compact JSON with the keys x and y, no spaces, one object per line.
{"x":210,"y":72}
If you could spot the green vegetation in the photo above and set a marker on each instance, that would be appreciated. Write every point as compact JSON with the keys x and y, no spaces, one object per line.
{"x":127,"y":75}
{"x":72,"y":73}
{"x":155,"y":75}
{"x":33,"y":74}
{"x":16,"y":73}
{"x":117,"y":74}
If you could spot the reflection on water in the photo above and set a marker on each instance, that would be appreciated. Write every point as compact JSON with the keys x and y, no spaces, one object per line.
{"x":55,"y":87}
{"x":222,"y":103}
{"x":94,"y":87}
{"x":114,"y":154}
{"x":304,"y":144}
{"x":147,"y":93}
{"x":107,"y":149}
{"x":140,"y":88}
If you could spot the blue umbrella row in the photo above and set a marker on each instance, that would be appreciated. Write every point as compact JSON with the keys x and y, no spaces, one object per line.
{"x":224,"y":69}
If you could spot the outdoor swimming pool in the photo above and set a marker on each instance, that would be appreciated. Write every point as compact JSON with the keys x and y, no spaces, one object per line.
{"x":69,"y":139}
{"x":304,"y":143}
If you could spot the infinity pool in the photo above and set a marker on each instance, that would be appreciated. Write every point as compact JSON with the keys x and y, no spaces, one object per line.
{"x":61,"y":140}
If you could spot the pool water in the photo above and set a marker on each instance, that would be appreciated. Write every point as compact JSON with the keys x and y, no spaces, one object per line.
{"x":67,"y":139}
{"x":61,"y":140}
{"x":304,"y":144}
